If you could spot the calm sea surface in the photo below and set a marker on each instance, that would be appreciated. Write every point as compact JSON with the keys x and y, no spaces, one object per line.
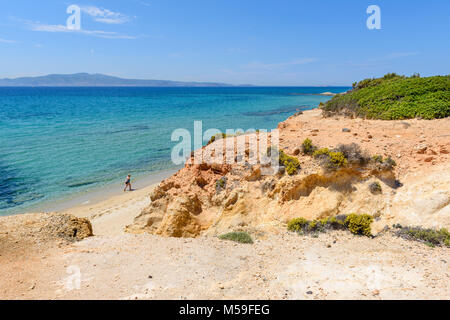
{"x":56,"y":142}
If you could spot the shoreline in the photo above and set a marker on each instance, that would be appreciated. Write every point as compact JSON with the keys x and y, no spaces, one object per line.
{"x":102,"y":193}
{"x":108,"y":207}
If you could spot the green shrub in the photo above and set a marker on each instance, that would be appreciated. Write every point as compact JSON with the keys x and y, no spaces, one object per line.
{"x":337,"y":224}
{"x":375,"y":188}
{"x":395,"y":97}
{"x":389,"y":163}
{"x":301,"y":225}
{"x":291,"y":164}
{"x":377,"y":158}
{"x":359,"y":224}
{"x":336,"y":160}
{"x":430,"y":237}
{"x":329,"y":159}
{"x":241,"y":237}
{"x":353,"y":153}
{"x":308,"y":147}
{"x":321,"y":152}
{"x":217,"y":137}
{"x":297,"y":224}
{"x":345,"y":154}
{"x":380,"y":164}
{"x":221,"y":184}
{"x":313,"y":225}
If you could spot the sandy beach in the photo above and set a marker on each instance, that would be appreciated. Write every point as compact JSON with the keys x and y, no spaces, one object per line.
{"x":109,"y":217}
{"x":109,"y":208}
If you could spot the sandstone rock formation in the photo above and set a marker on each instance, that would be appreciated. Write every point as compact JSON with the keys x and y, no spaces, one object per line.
{"x":43,"y":227}
{"x":215,"y":198}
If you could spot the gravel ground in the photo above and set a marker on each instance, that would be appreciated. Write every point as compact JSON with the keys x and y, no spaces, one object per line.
{"x":336,"y":265}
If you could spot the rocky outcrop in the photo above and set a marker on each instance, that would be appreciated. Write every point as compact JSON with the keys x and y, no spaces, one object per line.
{"x":213,"y":198}
{"x":424,"y":200}
{"x":246,"y":200}
{"x":41,"y":228}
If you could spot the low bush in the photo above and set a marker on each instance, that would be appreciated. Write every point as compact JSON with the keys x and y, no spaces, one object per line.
{"x":336,"y":160}
{"x":241,"y":237}
{"x":375,"y":188}
{"x":353,"y":153}
{"x":329,"y":159}
{"x":394,"y":97}
{"x":217,"y":137}
{"x":297,"y":224}
{"x":377,"y":158}
{"x":430,"y":237}
{"x":345,"y":154}
{"x":304,"y":226}
{"x":359,"y":224}
{"x":221,"y":184}
{"x":321,"y":152}
{"x":308,"y":147}
{"x":291,"y":164}
{"x":380,"y":164}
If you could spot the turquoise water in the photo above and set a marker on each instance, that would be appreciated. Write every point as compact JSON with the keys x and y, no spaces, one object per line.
{"x":56,"y":142}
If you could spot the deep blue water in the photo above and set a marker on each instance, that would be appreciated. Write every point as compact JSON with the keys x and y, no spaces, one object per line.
{"x":56,"y":142}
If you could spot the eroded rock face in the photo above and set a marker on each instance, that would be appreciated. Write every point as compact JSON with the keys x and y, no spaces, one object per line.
{"x":213,"y":198}
{"x":246,"y":200}
{"x":424,"y":200}
{"x":44,"y":227}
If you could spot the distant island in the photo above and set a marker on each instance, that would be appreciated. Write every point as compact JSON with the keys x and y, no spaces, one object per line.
{"x":99,"y":80}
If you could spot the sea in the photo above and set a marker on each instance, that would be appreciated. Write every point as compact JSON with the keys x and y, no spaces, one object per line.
{"x":56,"y":143}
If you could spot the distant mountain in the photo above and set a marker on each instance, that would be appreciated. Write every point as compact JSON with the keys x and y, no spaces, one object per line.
{"x":98,"y":80}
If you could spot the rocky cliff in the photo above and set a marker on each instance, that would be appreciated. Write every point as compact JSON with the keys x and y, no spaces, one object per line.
{"x":412,"y":189}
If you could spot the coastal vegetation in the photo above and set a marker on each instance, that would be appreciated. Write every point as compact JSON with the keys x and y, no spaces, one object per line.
{"x":241,"y":237}
{"x":329,"y":159}
{"x":290,"y":163}
{"x":346,"y":154}
{"x":375,"y":188}
{"x":308,"y":147}
{"x":217,"y":137}
{"x":430,"y":237}
{"x":358,"y":224}
{"x":394,"y":97}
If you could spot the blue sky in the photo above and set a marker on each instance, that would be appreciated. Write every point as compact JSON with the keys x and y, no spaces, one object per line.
{"x":298,"y":42}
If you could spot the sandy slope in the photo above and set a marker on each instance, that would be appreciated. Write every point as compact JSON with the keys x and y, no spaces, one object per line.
{"x":282,"y":266}
{"x":109,"y":217}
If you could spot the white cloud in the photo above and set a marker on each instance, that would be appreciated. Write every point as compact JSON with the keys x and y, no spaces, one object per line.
{"x":37,"y":26}
{"x":7,"y":41}
{"x":279,"y":65}
{"x":105,"y":16}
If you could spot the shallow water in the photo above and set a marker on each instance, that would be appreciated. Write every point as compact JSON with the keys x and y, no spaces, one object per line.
{"x":56,"y":142}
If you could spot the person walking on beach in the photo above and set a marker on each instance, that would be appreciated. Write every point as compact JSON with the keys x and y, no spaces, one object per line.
{"x":128,"y":183}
